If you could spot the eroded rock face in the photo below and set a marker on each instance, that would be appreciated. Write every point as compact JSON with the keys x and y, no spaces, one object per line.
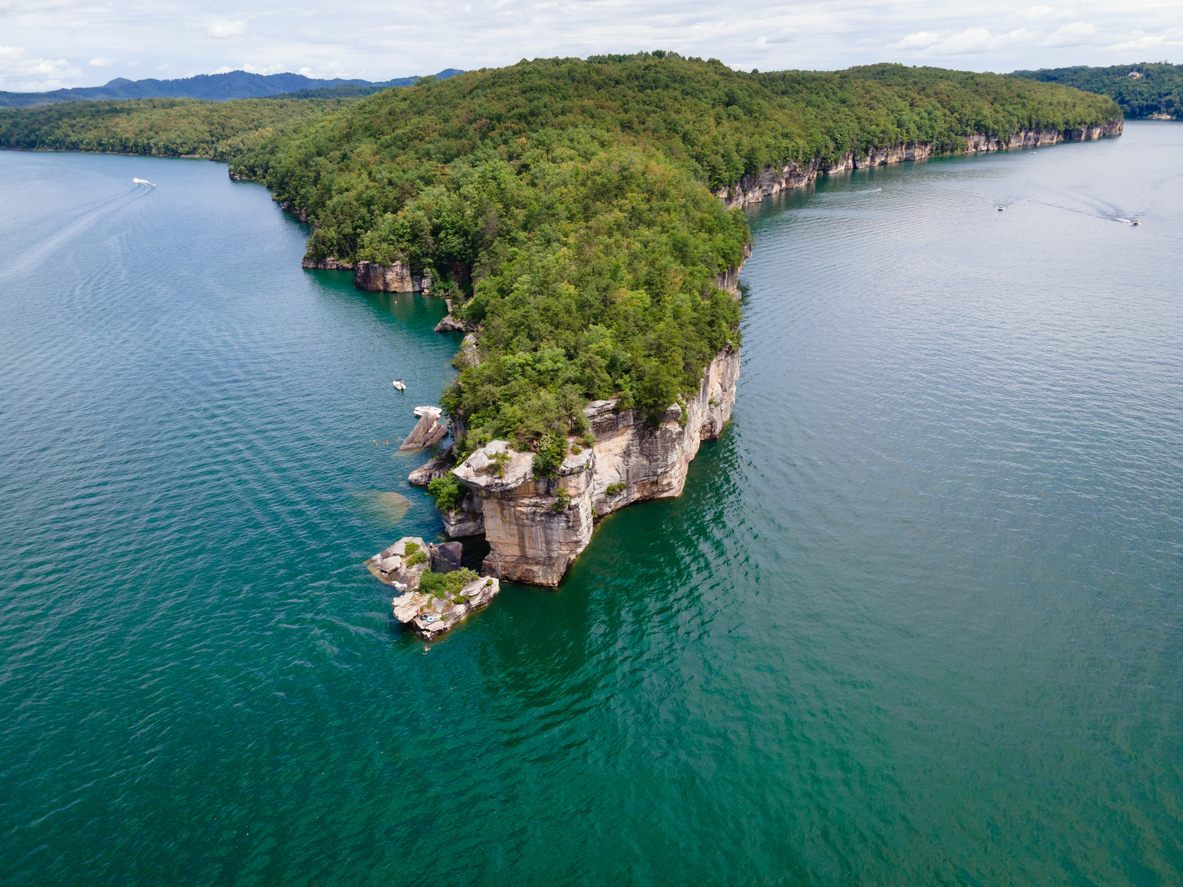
{"x":468,"y":520}
{"x":536,"y":527}
{"x":729,"y":279}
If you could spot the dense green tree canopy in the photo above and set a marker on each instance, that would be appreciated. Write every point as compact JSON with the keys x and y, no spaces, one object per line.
{"x":566,"y":204}
{"x":159,"y":127}
{"x":1141,"y":90}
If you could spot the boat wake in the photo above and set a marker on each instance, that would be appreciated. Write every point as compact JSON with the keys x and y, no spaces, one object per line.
{"x":70,"y":228}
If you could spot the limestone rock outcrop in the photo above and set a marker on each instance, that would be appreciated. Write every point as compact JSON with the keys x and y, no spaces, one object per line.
{"x":430,"y":615}
{"x":536,"y":527}
{"x":331,"y":263}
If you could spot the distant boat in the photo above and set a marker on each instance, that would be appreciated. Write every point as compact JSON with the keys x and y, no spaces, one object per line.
{"x":1133,"y":221}
{"x":143,"y":182}
{"x":1001,"y":208}
{"x":398,"y":383}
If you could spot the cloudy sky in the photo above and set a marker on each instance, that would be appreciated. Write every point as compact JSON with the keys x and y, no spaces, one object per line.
{"x":47,"y":44}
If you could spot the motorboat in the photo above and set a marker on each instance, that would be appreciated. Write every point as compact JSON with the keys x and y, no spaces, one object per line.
{"x":398,"y":383}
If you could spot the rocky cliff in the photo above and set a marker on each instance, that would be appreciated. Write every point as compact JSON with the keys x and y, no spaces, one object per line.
{"x":396,"y":278}
{"x":537,"y":526}
{"x":773,"y":180}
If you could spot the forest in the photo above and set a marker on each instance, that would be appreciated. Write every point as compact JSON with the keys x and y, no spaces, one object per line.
{"x":565,"y":205}
{"x":1157,"y":90}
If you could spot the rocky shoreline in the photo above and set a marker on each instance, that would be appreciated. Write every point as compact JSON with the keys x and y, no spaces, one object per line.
{"x":773,"y":180}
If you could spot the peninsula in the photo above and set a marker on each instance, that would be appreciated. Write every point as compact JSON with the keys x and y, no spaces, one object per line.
{"x":582,"y":218}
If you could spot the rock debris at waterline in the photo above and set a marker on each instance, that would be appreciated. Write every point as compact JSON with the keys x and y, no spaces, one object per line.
{"x":402,"y":566}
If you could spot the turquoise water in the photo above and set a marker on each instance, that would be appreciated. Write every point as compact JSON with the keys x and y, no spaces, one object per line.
{"x":917,"y":619}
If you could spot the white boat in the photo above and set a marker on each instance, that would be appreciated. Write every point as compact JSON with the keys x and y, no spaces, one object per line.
{"x":398,"y":383}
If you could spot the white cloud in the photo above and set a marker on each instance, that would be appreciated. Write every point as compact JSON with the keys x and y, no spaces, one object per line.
{"x":1074,"y":34}
{"x":1139,"y":41}
{"x":21,"y":72}
{"x":920,"y":40}
{"x":969,"y":41}
{"x":222,"y":29}
{"x":380,"y":39}
{"x":253,"y":69}
{"x":101,"y":62}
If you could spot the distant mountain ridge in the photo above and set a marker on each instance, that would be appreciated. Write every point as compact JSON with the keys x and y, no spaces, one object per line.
{"x":211,"y":87}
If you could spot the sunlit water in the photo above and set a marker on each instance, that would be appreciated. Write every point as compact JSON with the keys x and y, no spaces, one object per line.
{"x":917,"y":619}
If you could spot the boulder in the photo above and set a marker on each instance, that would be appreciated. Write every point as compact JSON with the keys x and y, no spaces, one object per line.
{"x":447,"y":557}
{"x":392,"y":567}
{"x":450,"y":325}
{"x":428,"y":431}
{"x":432,"y":469}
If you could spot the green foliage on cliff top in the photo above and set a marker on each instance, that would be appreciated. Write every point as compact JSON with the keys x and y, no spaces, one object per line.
{"x":566,"y":204}
{"x":1158,"y":91}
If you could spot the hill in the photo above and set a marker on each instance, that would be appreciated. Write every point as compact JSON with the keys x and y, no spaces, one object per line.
{"x":210,"y":87}
{"x":1142,"y":90}
{"x":565,"y":205}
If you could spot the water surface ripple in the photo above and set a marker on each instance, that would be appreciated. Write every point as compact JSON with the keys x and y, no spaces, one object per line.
{"x":917,"y":619}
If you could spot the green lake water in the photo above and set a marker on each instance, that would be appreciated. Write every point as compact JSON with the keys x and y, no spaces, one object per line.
{"x":917,"y":618}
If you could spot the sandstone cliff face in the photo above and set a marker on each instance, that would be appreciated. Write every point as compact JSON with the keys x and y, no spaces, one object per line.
{"x":773,"y":180}
{"x":396,"y":278}
{"x":536,"y":526}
